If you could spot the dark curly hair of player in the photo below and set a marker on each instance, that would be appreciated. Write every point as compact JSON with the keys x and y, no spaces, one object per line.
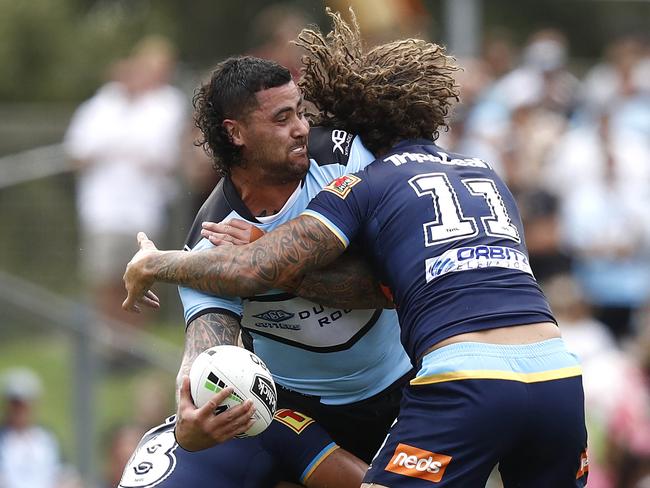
{"x":395,"y":91}
{"x":230,"y":94}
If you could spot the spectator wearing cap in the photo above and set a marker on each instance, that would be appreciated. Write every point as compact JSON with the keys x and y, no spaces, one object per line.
{"x":29,"y":453}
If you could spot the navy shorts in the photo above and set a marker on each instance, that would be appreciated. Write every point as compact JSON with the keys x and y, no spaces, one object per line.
{"x":473,"y":406}
{"x":290,"y":449}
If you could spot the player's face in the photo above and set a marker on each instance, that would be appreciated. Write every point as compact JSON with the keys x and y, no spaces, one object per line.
{"x":274,"y":135}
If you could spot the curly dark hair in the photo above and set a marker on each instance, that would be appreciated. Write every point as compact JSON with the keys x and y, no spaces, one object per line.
{"x":230,"y":94}
{"x":399,"y":90}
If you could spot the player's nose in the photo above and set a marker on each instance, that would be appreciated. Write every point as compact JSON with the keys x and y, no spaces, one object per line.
{"x":300,"y":128}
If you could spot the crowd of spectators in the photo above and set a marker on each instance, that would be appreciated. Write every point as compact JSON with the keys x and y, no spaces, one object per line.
{"x":573,"y":144}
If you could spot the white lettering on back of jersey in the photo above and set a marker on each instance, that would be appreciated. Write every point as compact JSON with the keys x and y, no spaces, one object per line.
{"x":408,"y":157}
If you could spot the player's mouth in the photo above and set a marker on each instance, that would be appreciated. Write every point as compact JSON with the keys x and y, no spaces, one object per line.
{"x":300,"y":150}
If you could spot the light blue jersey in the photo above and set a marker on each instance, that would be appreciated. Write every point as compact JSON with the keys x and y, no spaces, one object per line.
{"x":342,"y":356}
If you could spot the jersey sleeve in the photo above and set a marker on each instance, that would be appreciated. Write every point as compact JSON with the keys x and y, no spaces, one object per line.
{"x":342,"y":205}
{"x":196,"y":303}
{"x":298,"y":444}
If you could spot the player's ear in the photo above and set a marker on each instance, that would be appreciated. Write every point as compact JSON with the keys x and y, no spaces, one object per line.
{"x":234,"y":131}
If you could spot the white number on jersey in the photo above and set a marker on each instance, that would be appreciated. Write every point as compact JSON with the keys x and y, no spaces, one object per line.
{"x":451,"y":223}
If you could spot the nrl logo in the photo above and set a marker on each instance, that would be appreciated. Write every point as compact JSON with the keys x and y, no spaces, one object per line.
{"x":274,"y":315}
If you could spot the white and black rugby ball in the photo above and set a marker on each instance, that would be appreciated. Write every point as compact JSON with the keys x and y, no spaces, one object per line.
{"x":222,"y":366}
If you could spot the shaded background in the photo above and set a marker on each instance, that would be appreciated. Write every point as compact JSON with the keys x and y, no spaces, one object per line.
{"x":54,"y":55}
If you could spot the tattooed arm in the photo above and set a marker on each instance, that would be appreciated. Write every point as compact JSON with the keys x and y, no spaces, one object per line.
{"x":348,"y":282}
{"x":211,"y":329}
{"x":198,"y":428}
{"x":276,"y":260}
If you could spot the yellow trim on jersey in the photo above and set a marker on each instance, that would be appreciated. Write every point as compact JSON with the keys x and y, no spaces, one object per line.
{"x":554,"y":374}
{"x":322,"y":458}
{"x":329,"y":225}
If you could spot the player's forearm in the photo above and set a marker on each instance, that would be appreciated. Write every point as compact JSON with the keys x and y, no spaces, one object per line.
{"x":204,"y":332}
{"x":346,"y":283}
{"x":278,"y":259}
{"x":219,"y":271}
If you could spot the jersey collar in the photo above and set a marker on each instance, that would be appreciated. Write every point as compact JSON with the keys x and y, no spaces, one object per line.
{"x":413,"y":142}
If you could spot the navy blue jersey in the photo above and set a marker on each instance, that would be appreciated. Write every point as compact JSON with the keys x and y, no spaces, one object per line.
{"x":445,"y":235}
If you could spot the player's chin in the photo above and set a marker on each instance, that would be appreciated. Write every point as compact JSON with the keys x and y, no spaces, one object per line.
{"x":299,"y":162}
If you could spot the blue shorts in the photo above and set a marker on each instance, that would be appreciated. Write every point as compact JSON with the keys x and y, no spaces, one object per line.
{"x":290,"y":449}
{"x":474,"y":405}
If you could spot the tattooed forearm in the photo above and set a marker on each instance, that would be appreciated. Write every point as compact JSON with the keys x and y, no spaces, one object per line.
{"x":277,"y":259}
{"x":211,"y":329}
{"x":346,"y":283}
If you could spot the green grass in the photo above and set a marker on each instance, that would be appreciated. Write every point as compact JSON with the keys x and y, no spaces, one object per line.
{"x":51,"y":356}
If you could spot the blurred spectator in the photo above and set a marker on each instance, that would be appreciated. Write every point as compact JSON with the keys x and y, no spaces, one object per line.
{"x":121,"y":443}
{"x":126,"y":142}
{"x":200,"y":176}
{"x":29,"y":453}
{"x":619,"y":76}
{"x":275,"y":27}
{"x":541,"y":217}
{"x":153,"y":399}
{"x":534,"y":98}
{"x":617,"y":399}
{"x":603,"y":180}
{"x":386,"y":20}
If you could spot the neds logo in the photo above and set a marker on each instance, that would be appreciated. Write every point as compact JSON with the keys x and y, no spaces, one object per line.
{"x":418,"y":463}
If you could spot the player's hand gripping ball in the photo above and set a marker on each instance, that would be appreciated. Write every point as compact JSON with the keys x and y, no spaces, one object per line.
{"x":222,"y":366}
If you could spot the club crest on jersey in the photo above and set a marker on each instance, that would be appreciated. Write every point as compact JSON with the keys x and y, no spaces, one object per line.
{"x":342,"y":186}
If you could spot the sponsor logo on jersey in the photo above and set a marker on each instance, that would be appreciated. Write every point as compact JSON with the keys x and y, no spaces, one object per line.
{"x":418,"y":463}
{"x":341,"y":140}
{"x":274,"y":315}
{"x":296,"y":421}
{"x":342,"y":186}
{"x":584,"y":465}
{"x":442,"y":158}
{"x":264,"y":391}
{"x":477,"y":257}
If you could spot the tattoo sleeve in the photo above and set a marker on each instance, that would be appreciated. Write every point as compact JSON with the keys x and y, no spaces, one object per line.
{"x":346,"y":283}
{"x":211,"y":329}
{"x":277,"y":260}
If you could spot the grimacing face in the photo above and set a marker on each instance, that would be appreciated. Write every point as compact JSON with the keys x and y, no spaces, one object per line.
{"x":274,"y":135}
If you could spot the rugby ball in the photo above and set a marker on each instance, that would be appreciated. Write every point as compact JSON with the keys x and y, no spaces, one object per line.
{"x":222,"y":366}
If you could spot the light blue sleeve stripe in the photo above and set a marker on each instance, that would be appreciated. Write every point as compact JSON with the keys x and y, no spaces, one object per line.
{"x":331,"y":226}
{"x":317,"y":460}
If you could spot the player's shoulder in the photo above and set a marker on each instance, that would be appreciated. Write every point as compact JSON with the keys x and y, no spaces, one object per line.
{"x":330,"y":146}
{"x":215,"y":208}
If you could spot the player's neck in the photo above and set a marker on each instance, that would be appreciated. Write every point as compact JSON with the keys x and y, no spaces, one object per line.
{"x":261,"y":198}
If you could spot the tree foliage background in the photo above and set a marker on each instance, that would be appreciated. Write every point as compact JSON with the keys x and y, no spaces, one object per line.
{"x":57,"y":50}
